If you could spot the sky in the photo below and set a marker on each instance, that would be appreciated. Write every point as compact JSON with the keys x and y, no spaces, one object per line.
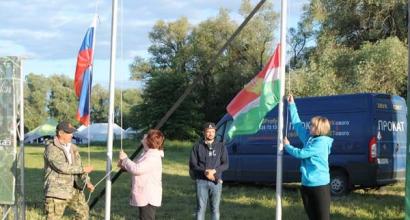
{"x":48,"y":34}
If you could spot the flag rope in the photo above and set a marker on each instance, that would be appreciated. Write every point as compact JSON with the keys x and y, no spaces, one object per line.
{"x":100,"y":181}
{"x":289,"y":89}
{"x":97,"y":2}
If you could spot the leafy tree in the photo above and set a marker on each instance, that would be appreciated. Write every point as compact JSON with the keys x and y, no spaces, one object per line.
{"x":244,"y":58}
{"x":131,"y":97}
{"x":298,"y":42}
{"x":99,"y":104}
{"x":180,"y":52}
{"x":359,"y":48}
{"x":62,"y":104}
{"x":382,"y":67}
{"x":207,"y":38}
{"x":356,"y":21}
{"x":35,"y":99}
{"x":158,"y":96}
{"x":169,"y":47}
{"x":375,"y":67}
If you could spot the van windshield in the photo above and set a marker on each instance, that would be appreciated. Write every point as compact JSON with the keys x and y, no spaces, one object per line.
{"x":222,"y":132}
{"x":225,"y":135}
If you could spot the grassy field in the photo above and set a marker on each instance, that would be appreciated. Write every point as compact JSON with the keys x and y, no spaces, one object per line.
{"x":238,"y":201}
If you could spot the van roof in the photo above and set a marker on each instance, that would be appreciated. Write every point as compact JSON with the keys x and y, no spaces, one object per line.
{"x":354,"y":102}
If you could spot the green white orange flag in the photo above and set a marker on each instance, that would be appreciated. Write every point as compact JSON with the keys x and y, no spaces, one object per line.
{"x":256,"y":99}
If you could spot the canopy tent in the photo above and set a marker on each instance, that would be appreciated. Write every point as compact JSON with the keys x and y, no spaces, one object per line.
{"x":98,"y":132}
{"x":48,"y":129}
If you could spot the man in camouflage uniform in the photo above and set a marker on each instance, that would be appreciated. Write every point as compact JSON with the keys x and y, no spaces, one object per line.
{"x":65,"y":177}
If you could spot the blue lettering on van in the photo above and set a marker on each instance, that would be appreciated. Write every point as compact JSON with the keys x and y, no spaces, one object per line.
{"x":338,"y":123}
{"x":272,"y":124}
{"x":306,"y":124}
{"x":397,"y":126}
{"x":340,"y":133}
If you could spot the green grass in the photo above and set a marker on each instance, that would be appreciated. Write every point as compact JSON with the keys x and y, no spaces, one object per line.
{"x":239,"y":201}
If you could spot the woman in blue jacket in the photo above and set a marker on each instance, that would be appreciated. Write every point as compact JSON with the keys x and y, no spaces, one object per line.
{"x":315,"y":166}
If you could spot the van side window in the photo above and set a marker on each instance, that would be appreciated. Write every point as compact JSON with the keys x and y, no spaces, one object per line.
{"x":228,"y":126}
{"x":220,"y":132}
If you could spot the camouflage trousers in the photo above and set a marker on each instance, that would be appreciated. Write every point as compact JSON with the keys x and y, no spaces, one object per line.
{"x":55,"y":207}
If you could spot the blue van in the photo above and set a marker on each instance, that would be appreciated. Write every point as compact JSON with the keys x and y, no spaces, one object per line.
{"x":369,"y":148}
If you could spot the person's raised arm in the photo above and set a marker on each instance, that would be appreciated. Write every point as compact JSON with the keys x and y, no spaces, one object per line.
{"x":301,"y":131}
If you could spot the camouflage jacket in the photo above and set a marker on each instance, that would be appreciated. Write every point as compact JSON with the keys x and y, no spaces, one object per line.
{"x":60,"y":177}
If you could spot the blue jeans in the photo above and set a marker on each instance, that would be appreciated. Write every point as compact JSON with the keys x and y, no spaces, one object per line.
{"x":207,"y":189}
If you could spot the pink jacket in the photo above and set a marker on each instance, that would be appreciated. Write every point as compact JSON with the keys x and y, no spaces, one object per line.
{"x":146,"y":173}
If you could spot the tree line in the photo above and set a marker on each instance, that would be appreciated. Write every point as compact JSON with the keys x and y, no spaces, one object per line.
{"x":54,"y":97}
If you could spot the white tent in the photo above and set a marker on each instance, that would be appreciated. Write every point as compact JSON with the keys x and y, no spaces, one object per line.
{"x":82,"y":127}
{"x":98,"y":132}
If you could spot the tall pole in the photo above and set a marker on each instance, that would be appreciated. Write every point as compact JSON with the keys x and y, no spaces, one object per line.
{"x":14,"y":129}
{"x":111,"y":109}
{"x":280,"y":117}
{"x":21,"y":152}
{"x":407,"y":199}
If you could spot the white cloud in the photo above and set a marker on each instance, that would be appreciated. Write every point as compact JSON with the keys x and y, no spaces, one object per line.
{"x":133,"y":53}
{"x":36,"y":34}
{"x":10,"y":48}
{"x":52,"y":31}
{"x":141,"y":23}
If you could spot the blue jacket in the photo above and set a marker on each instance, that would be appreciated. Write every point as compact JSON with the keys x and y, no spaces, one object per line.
{"x":314,"y":154}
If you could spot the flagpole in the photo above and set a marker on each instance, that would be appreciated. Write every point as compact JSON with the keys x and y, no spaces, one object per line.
{"x":111,"y":109}
{"x":21,"y":152}
{"x":280,"y":116}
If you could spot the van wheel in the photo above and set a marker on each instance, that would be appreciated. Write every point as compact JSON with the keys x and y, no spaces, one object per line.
{"x":339,"y":185}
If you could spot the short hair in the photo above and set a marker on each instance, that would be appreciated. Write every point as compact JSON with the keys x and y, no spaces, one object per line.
{"x":321,"y":125}
{"x":155,"y":139}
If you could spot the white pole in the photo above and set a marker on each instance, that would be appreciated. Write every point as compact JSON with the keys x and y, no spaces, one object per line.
{"x":111,"y":109}
{"x":14,"y":129}
{"x":280,"y":116}
{"x":23,"y":202}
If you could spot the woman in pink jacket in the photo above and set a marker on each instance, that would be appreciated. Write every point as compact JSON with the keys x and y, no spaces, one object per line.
{"x":146,"y":170}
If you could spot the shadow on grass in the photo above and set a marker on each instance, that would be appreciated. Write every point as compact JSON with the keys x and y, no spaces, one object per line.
{"x":376,"y":205}
{"x":178,"y":202}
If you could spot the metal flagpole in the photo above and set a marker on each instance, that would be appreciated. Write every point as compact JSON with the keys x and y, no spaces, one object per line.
{"x":280,"y":116}
{"x":111,"y":109}
{"x":14,"y":138}
{"x":21,"y":152}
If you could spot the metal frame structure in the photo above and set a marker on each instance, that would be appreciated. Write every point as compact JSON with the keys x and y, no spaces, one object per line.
{"x":18,"y":209}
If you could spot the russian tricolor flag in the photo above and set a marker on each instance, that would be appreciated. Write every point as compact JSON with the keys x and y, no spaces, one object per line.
{"x":83,"y":74}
